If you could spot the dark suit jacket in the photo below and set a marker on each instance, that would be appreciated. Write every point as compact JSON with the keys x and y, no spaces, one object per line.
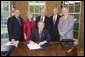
{"x":45,"y":35}
{"x":15,"y":30}
{"x":54,"y":28}
{"x":46,"y":21}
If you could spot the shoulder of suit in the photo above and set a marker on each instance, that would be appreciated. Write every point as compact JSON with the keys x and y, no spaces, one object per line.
{"x":11,"y":18}
{"x":46,"y":16}
{"x":21,"y":18}
{"x":45,"y":30}
{"x":59,"y":15}
{"x":37,"y":16}
{"x":35,"y":30}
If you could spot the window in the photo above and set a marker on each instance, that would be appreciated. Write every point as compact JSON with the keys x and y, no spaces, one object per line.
{"x":35,"y":7}
{"x":5,"y":13}
{"x":74,"y":9}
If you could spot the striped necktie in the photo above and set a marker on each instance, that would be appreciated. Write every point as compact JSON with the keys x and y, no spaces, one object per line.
{"x":40,"y":34}
{"x":19,"y":21}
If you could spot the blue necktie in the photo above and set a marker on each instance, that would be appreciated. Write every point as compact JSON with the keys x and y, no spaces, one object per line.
{"x":19,"y":21}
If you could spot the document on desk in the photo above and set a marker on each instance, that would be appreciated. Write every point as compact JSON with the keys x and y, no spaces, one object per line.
{"x":33,"y":46}
{"x":9,"y":43}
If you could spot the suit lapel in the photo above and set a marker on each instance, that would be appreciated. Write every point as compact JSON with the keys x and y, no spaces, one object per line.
{"x":21,"y":22}
{"x":39,"y":18}
{"x":17,"y":22}
{"x":45,"y":19}
{"x":56,"y":19}
{"x":52,"y":20}
{"x":42,"y":33}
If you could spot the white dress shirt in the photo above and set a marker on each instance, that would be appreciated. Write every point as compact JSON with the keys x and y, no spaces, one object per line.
{"x":43,"y":18}
{"x":54,"y":18}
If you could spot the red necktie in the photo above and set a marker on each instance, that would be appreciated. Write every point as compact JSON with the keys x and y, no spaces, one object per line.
{"x":40,"y":33}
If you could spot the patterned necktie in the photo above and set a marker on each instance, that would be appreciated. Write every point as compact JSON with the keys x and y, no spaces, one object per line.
{"x":19,"y":21}
{"x":40,"y":34}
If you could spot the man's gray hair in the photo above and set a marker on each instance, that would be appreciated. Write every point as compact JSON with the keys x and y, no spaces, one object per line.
{"x":41,"y":22}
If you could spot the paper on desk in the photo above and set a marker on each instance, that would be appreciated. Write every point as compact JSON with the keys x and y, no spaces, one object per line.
{"x":9,"y":43}
{"x":12,"y":43}
{"x":33,"y":46}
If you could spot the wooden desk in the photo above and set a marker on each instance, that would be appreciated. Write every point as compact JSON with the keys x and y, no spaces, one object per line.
{"x":55,"y":50}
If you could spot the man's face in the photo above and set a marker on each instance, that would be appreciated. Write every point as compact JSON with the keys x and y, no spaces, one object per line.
{"x":41,"y":25}
{"x":17,"y":13}
{"x":55,"y":11}
{"x":30,"y":16}
{"x":42,"y":12}
{"x":64,"y":11}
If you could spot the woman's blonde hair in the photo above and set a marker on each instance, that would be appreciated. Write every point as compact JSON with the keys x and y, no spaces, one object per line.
{"x":29,"y":13}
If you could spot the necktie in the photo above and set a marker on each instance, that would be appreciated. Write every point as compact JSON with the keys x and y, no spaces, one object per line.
{"x":41,"y":19}
{"x":63,"y":19}
{"x":19,"y":21}
{"x":40,"y":33}
{"x":54,"y":19}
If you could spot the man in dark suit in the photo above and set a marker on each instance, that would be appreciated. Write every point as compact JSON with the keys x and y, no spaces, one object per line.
{"x":14,"y":25}
{"x":40,"y":35}
{"x":43,"y":18}
{"x":54,"y":20}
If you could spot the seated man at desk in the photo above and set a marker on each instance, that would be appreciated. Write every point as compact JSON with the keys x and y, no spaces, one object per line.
{"x":40,"y":35}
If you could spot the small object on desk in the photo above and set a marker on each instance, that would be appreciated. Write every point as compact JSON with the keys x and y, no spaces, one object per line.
{"x":46,"y":45}
{"x":67,"y":42}
{"x":16,"y":43}
{"x":6,"y":49}
{"x":69,"y":50}
{"x":73,"y":51}
{"x":42,"y":43}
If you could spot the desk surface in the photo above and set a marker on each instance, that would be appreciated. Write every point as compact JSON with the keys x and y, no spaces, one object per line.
{"x":55,"y":50}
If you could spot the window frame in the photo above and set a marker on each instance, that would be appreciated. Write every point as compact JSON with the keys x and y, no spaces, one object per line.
{"x":4,"y":19}
{"x":34,"y":4}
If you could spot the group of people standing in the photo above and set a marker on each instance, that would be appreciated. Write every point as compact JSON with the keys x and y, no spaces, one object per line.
{"x":43,"y":29}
